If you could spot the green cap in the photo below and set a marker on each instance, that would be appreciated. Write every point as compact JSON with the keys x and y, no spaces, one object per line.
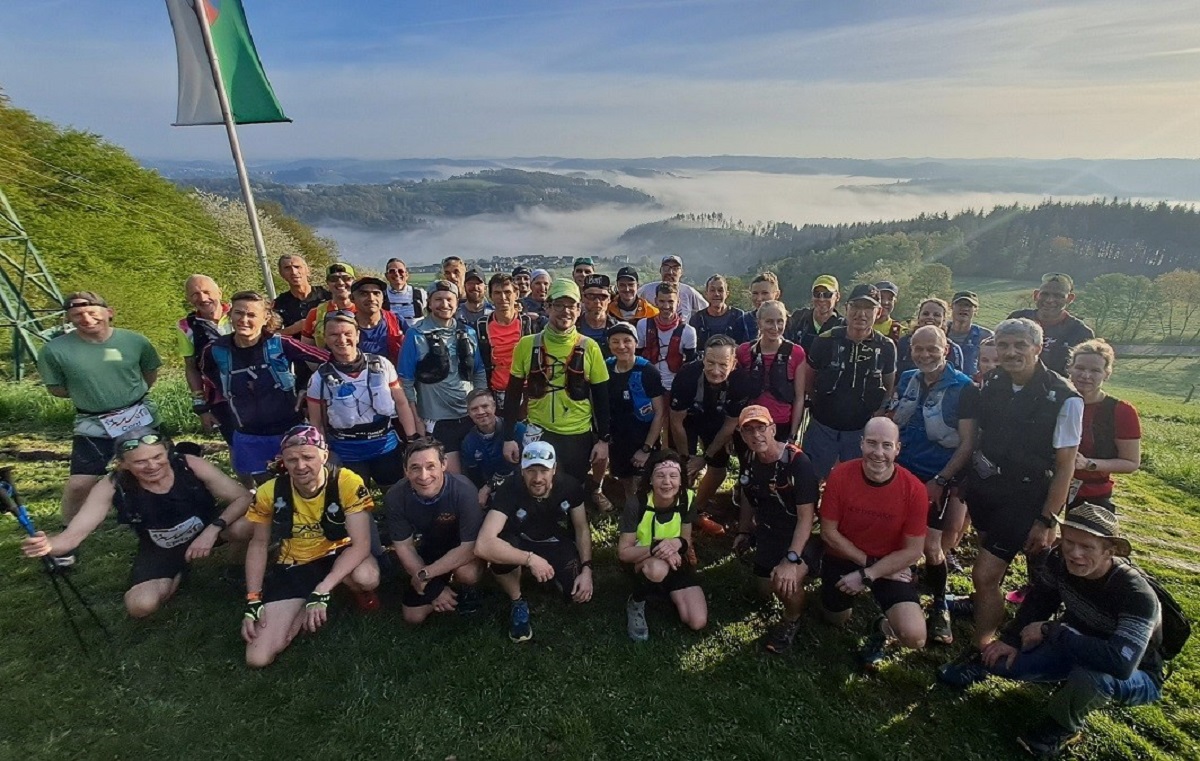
{"x":564,"y":287}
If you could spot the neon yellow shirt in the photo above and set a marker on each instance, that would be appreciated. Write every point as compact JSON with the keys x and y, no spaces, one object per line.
{"x":557,"y":412}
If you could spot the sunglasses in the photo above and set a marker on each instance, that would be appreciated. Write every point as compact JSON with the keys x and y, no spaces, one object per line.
{"x":822,"y":294}
{"x":397,"y":272}
{"x":595,"y":296}
{"x":132,"y":444}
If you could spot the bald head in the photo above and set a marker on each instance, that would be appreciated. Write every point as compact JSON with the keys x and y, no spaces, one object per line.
{"x":203,"y":294}
{"x":930,"y":333}
{"x":880,"y":446}
{"x":882,"y":429}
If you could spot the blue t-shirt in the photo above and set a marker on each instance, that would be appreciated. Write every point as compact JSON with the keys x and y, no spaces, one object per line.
{"x":375,"y":340}
{"x":483,"y":454}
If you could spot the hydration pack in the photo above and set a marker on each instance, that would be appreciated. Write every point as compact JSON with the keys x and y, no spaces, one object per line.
{"x":434,"y":367}
{"x":643,"y":406}
{"x":541,"y":370}
{"x":377,"y":391}
{"x":674,"y":350}
{"x":775,"y":380}
{"x":333,"y":517}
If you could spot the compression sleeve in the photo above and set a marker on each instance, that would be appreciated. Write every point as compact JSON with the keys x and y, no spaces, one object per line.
{"x":600,"y":408}
{"x":512,"y":406}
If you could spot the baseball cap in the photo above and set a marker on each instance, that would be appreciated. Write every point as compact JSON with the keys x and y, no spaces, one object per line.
{"x":889,"y":286}
{"x":621,"y":328}
{"x":538,"y":453}
{"x":672,"y":259}
{"x":1059,"y":277}
{"x":539,"y":273}
{"x":444,"y":285}
{"x":474,"y":274}
{"x":368,"y":280}
{"x":597,"y":281}
{"x":627,"y":273}
{"x":339,"y":268}
{"x":970,"y":296}
{"x":584,"y":260}
{"x":83,"y":299}
{"x":755,"y":413}
{"x":865,"y":292}
{"x":522,"y":270}
{"x":826,"y":281}
{"x":1097,"y":521}
{"x":564,"y":287}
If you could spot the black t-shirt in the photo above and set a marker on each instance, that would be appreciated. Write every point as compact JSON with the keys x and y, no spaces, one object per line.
{"x":447,"y":521}
{"x":541,"y":520}
{"x":716,"y":403}
{"x":1058,"y":339}
{"x":622,"y":421}
{"x":708,"y":326}
{"x":776,"y":489}
{"x":292,"y":309}
{"x":849,"y":385}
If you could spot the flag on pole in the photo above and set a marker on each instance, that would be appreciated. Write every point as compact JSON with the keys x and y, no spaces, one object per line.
{"x":251,"y":99}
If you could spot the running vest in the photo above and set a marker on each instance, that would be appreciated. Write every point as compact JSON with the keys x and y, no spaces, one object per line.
{"x":378,"y":392}
{"x":697,"y":407}
{"x":1017,"y":427}
{"x":651,"y":530}
{"x":778,"y":490}
{"x":277,"y":363}
{"x":674,"y":352}
{"x":775,"y":381}
{"x":140,"y":509}
{"x":528,"y":328}
{"x":941,"y":417}
{"x":537,"y":383}
{"x":333,"y":518}
{"x":202,"y":331}
{"x":319,"y":325}
{"x":434,"y":367}
{"x":1104,"y":429}
{"x":643,"y":407}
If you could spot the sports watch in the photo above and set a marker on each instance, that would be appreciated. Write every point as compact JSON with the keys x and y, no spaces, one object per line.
{"x":220,"y":523}
{"x":793,"y":557}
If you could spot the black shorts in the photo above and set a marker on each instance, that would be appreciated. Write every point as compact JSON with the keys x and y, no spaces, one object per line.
{"x":703,"y":438}
{"x":1003,"y":511}
{"x":573,"y":452}
{"x":385,"y":470}
{"x":887,"y":592}
{"x":1105,"y":502}
{"x":683,"y":577}
{"x":436,"y":584}
{"x":621,"y":452}
{"x":770,"y":548}
{"x":90,"y":455}
{"x":562,"y":556}
{"x":152,"y":562}
{"x":295,"y":582}
{"x":452,"y":432}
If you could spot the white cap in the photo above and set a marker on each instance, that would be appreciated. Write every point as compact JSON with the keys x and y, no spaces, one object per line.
{"x":537,"y":453}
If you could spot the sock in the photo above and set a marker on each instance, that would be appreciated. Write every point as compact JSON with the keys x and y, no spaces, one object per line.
{"x":641,"y":589}
{"x":935,"y":579}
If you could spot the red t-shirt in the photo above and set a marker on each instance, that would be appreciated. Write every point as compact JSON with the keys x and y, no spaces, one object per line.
{"x":503,"y":339}
{"x":1097,"y":483}
{"x":876,"y":518}
{"x":781,"y":412}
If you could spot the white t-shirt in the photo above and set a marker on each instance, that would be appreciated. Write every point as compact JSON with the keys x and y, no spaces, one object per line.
{"x":353,"y":402}
{"x":687,"y":341}
{"x":690,"y":300}
{"x":1068,"y":428}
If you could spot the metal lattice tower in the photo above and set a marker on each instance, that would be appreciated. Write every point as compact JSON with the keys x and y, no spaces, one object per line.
{"x":30,"y":302}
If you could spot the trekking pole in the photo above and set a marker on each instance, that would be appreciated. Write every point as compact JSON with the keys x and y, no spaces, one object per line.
{"x":11,"y":504}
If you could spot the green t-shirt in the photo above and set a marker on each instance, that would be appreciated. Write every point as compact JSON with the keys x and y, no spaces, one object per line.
{"x":557,"y":412}
{"x":99,"y":376}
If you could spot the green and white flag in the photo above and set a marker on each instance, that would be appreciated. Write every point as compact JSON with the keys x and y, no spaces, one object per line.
{"x":251,"y":99}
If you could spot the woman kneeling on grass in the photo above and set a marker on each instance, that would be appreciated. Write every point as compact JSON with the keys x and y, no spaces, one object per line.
{"x":319,"y":515}
{"x":654,"y":538}
{"x":170,"y":500}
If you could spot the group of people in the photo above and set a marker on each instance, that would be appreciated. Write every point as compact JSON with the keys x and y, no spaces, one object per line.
{"x":491,"y":409}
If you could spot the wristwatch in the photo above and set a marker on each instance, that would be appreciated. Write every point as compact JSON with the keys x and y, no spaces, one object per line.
{"x":866,"y":580}
{"x":1049,"y":521}
{"x":220,"y":523}
{"x":1091,"y":465}
{"x":606,"y":438}
{"x":423,"y":574}
{"x":941,"y":481}
{"x":793,"y":557}
{"x":646,"y":449}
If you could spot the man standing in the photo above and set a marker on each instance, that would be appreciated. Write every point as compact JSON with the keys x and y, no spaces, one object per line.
{"x":107,"y":373}
{"x":405,"y":300}
{"x":520,"y":277}
{"x":433,"y":519}
{"x":666,"y":340}
{"x":539,"y":290}
{"x":852,"y":372}
{"x":538,"y":522}
{"x":439,"y":365}
{"x":208,"y":321}
{"x":380,"y":332}
{"x":936,"y":444}
{"x":595,"y":320}
{"x":1061,"y":330}
{"x":339,"y":277}
{"x":873,"y":525}
{"x":499,"y":332}
{"x":807,"y":323}
{"x":671,"y":271}
{"x":628,"y":305}
{"x":475,"y":305}
{"x":301,"y":298}
{"x":562,"y":377}
{"x":1030,"y":421}
{"x":1106,"y":645}
{"x":888,"y":295}
{"x":254,"y":370}
{"x":964,"y":332}
{"x":778,"y":502}
{"x":454,"y":270}
{"x":583,"y":268}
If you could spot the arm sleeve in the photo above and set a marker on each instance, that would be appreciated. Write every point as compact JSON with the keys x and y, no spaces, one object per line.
{"x":600,"y":408}
{"x":512,"y":405}
{"x":302,"y":352}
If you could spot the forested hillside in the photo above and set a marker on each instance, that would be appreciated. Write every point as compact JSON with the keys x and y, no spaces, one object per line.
{"x":104,"y":223}
{"x":405,"y":205}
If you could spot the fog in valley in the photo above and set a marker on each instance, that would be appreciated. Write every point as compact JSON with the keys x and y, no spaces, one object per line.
{"x":749,"y":196}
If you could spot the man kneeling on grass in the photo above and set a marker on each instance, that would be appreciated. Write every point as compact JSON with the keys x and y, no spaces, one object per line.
{"x":170,"y":500}
{"x":320,"y":516}
{"x":1104,"y":646}
{"x":873,"y":524}
{"x":442,"y":508}
{"x":538,"y":522}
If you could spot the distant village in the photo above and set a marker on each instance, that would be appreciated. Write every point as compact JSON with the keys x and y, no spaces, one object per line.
{"x":532,"y":261}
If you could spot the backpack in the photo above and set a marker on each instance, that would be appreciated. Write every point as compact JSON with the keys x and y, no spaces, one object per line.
{"x":674,"y":352}
{"x":331,"y":380}
{"x":775,"y":381}
{"x":1176,"y":629}
{"x":274,"y":358}
{"x":537,"y":383}
{"x":528,"y":328}
{"x":434,"y":367}
{"x":643,"y":407}
{"x":333,"y":517}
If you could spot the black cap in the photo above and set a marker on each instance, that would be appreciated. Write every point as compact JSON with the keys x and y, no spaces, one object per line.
{"x":522,"y":270}
{"x":970,"y":296}
{"x":473,"y":274}
{"x":444,"y":285}
{"x":368,"y":280}
{"x":889,"y":286}
{"x":621,"y":328}
{"x":627,"y":273}
{"x":596,"y":281}
{"x":865,"y":292}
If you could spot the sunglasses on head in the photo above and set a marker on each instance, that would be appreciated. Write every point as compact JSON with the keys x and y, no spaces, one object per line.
{"x":132,"y":444}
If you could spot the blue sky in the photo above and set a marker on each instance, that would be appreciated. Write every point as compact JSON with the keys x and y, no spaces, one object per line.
{"x":1101,"y":78}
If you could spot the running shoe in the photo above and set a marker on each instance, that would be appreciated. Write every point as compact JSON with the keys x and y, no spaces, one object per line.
{"x":635,"y":620}
{"x":960,"y":606}
{"x":519,"y":628}
{"x":964,"y":671}
{"x":939,"y":626}
{"x":366,"y":602}
{"x":710,"y":526}
{"x":64,"y":562}
{"x":469,"y":601}
{"x":874,"y":648}
{"x":1048,"y":740}
{"x":779,"y":639}
{"x":1017,"y":596}
{"x":602,"y":503}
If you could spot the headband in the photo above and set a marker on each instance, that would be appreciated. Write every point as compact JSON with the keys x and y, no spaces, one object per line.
{"x":668,"y":464}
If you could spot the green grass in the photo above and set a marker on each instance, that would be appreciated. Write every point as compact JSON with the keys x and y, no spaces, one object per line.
{"x":175,"y":685}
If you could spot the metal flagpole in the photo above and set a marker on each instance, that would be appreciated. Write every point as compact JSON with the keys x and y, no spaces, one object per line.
{"x":236,"y":148}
